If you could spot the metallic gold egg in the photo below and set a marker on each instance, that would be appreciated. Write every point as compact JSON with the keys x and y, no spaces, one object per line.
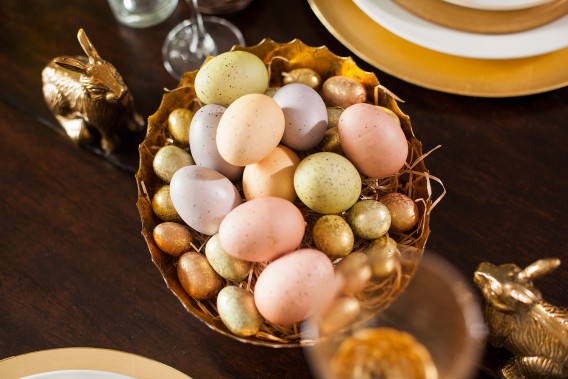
{"x":369,"y":219}
{"x":305,"y":76}
{"x":197,"y":277}
{"x":178,"y":125}
{"x":172,"y":238}
{"x":333,"y":235}
{"x":333,"y":114}
{"x":163,"y":207}
{"x":168,"y":160}
{"x":384,"y":257}
{"x":403,"y":211}
{"x":238,"y":312}
{"x":342,"y":91}
{"x":229,"y":267}
{"x":339,"y":314}
{"x":355,"y":270}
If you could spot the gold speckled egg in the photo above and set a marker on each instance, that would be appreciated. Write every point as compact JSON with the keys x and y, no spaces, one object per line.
{"x":369,"y":219}
{"x":333,"y":235}
{"x":384,"y":256}
{"x":172,"y":238}
{"x":339,"y":314}
{"x":355,"y":270}
{"x":403,"y":211}
{"x":178,"y":125}
{"x":163,"y":207}
{"x":303,"y":75}
{"x":333,"y":114}
{"x":342,"y":91}
{"x":197,"y":277}
{"x":331,"y":141}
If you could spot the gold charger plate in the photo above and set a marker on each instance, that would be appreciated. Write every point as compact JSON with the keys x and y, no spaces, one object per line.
{"x":430,"y":69}
{"x":86,"y":358}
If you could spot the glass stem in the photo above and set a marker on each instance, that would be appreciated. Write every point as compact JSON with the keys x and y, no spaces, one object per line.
{"x":201,"y":43}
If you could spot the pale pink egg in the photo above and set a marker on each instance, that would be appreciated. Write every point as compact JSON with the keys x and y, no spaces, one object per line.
{"x":262,"y":229}
{"x":372,"y":140}
{"x":295,"y":286}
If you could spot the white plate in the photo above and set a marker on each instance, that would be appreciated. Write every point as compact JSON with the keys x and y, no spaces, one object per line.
{"x":498,"y":5}
{"x":78,"y":374}
{"x":545,"y":39}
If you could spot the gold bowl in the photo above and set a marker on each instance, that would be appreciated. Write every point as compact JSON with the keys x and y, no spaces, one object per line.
{"x":412,"y":180}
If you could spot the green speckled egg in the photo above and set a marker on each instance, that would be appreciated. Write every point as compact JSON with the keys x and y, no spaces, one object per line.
{"x":229,"y":76}
{"x":226,"y":265}
{"x":327,"y":183}
{"x":168,"y":160}
{"x":238,"y":311}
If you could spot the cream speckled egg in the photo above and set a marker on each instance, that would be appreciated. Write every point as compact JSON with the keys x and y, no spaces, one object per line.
{"x":272,"y":176}
{"x":250,"y":129}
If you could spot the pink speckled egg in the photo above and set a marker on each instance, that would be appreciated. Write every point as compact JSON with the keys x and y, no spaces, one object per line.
{"x":262,"y":229}
{"x":295,"y":286}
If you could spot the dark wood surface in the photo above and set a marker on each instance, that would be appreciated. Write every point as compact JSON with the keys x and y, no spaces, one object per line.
{"x":75,"y":270}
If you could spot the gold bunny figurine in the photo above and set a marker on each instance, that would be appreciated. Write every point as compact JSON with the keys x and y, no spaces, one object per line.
{"x":86,"y":94}
{"x":535,"y":331}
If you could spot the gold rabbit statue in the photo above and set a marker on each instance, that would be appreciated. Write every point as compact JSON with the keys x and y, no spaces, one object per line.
{"x":535,"y":331}
{"x":87,"y":94}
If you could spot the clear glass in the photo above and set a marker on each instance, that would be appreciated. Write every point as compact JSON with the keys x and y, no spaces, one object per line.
{"x":439,"y":309}
{"x":142,"y":13}
{"x":190,"y":42}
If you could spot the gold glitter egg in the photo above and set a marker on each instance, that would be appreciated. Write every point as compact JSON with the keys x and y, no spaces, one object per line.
{"x":403,"y":211}
{"x":173,"y":238}
{"x":197,"y":277}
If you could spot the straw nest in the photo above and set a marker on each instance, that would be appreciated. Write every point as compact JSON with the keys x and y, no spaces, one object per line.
{"x":413,"y":180}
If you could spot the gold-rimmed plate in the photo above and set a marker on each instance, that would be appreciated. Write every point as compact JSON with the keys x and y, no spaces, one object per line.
{"x":430,"y":69}
{"x":89,"y":362}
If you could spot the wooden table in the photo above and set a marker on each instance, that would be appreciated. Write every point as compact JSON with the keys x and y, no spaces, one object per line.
{"x":75,"y":270}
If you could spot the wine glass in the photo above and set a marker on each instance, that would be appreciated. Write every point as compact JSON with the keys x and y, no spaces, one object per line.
{"x":190,"y":42}
{"x":434,"y":329}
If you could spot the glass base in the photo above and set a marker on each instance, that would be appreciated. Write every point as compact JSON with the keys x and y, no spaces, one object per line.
{"x":175,"y":51}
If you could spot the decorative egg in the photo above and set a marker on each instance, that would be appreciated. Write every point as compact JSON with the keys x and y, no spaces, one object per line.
{"x":197,"y":277}
{"x":163,"y":206}
{"x":238,"y":312}
{"x":305,"y":115}
{"x":272,"y":176}
{"x":179,"y":121}
{"x":203,"y":141}
{"x":342,"y":91}
{"x":369,"y":219}
{"x":294,"y":286}
{"x":403,"y":211}
{"x":250,"y":129}
{"x":224,"y":264}
{"x":373,"y":140}
{"x":202,"y":197}
{"x":355,"y":270}
{"x":384,"y":256}
{"x":262,"y":229}
{"x":302,"y":75}
{"x":230,"y":75}
{"x":333,"y":235}
{"x":168,"y":160}
{"x":327,"y":182}
{"x":172,"y":238}
{"x":339,"y":314}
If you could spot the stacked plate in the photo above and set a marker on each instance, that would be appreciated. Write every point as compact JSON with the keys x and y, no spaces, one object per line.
{"x":490,"y":48}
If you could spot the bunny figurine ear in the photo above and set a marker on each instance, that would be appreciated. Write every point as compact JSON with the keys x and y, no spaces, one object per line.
{"x":71,"y":64}
{"x":540,"y":268}
{"x":87,"y":46}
